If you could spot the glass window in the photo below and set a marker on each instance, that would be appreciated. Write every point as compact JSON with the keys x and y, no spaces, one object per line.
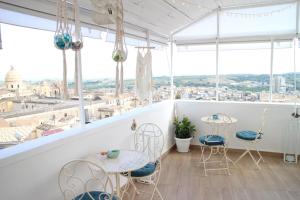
{"x":161,"y":74}
{"x":99,"y":71}
{"x":244,"y":72}
{"x":194,"y":72}
{"x":283,"y":87}
{"x":31,"y":86}
{"x":297,"y":75}
{"x":205,"y":28}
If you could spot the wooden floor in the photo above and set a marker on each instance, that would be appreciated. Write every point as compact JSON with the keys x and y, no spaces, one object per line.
{"x":182,"y":178}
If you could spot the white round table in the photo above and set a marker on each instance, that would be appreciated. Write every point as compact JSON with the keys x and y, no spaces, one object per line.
{"x":208,"y":119}
{"x":222,"y":123}
{"x":127,"y":161}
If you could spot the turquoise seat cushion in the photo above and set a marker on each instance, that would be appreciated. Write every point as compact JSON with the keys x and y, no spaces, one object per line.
{"x":96,"y":195}
{"x":212,"y":140}
{"x":246,"y":135}
{"x":144,"y":171}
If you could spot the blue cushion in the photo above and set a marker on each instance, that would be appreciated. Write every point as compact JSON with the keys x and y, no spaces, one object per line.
{"x":144,"y":171}
{"x":246,"y":135}
{"x":95,"y":195}
{"x":212,"y":140}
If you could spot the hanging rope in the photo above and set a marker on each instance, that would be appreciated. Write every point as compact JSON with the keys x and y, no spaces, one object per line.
{"x":63,"y":39}
{"x":77,"y":44}
{"x":120,"y":50}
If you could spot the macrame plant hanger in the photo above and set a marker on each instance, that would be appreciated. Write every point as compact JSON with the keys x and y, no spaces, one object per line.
{"x":120,"y":49}
{"x":63,"y":39}
{"x":77,"y":45}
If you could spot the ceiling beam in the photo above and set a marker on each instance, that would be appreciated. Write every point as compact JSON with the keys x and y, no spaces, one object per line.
{"x":193,"y":22}
{"x":177,"y":9}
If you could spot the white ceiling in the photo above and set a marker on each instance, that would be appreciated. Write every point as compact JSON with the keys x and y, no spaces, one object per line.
{"x":167,"y":16}
{"x":161,"y":17}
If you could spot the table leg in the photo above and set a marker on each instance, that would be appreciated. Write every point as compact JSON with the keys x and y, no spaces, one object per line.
{"x":118,"y":187}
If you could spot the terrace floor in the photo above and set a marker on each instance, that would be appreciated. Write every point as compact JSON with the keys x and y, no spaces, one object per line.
{"x":182,"y":179}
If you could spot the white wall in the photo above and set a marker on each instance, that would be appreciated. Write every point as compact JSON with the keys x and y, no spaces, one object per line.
{"x":248,"y":115}
{"x":30,"y":170}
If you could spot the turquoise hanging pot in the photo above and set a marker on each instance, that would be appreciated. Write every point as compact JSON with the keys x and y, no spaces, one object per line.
{"x":63,"y":41}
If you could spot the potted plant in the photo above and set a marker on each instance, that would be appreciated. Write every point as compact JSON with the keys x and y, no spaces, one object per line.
{"x":184,"y":131}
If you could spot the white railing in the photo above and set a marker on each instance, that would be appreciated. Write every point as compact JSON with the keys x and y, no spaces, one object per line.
{"x":32,"y":168}
{"x":248,"y":116}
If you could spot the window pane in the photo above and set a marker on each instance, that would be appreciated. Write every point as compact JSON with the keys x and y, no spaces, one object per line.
{"x":244,"y":72}
{"x":99,"y":71}
{"x":205,"y":28}
{"x":31,"y":101}
{"x":283,"y":89}
{"x":259,"y":21}
{"x":297,"y":75}
{"x":161,"y":74}
{"x":194,"y":71}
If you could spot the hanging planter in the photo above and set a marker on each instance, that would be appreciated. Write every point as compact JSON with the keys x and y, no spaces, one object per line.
{"x":111,"y":12}
{"x":119,"y":55}
{"x":63,"y":41}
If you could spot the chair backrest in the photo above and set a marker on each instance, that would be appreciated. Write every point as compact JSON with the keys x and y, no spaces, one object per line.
{"x":79,"y":178}
{"x":263,"y":121}
{"x":149,"y":138}
{"x":220,"y":125}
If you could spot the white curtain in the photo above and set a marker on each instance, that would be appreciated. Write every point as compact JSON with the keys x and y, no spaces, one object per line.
{"x":144,"y":75}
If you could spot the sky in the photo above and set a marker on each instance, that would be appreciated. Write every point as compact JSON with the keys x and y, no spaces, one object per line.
{"x":33,"y":54}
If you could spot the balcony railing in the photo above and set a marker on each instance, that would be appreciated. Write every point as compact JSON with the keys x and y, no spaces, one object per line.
{"x":32,"y":168}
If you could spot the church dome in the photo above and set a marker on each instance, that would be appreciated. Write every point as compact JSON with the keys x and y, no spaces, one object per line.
{"x":13,"y":80}
{"x":13,"y":76}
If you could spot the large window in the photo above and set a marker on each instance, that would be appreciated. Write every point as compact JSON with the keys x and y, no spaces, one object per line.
{"x":99,"y":71}
{"x":31,"y":104}
{"x":194,"y":72}
{"x":161,"y":74}
{"x":31,"y":89}
{"x":244,"y":72}
{"x":283,"y":87}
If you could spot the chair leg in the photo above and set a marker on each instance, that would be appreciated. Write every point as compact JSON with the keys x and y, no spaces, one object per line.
{"x":155,"y":189}
{"x":226,"y":161}
{"x":254,"y":160}
{"x":260,"y":156}
{"x":241,"y":156}
{"x":204,"y":161}
{"x":136,"y":191}
{"x":202,"y":154}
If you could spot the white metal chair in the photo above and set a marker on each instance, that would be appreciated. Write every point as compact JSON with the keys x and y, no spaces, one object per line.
{"x":215,"y":139}
{"x":149,"y":139}
{"x":250,"y":140}
{"x":85,"y":180}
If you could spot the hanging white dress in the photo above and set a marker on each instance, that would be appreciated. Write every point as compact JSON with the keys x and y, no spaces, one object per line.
{"x":144,"y":75}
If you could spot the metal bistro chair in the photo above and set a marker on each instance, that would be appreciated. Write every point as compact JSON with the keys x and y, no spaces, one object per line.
{"x":218,"y":127}
{"x":250,"y":140}
{"x":149,"y":139}
{"x":85,"y":180}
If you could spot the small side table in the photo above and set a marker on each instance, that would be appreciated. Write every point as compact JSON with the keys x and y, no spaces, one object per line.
{"x":127,"y":161}
{"x":291,"y":141}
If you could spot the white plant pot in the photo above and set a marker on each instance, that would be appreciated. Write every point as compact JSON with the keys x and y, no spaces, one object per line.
{"x":183,"y":145}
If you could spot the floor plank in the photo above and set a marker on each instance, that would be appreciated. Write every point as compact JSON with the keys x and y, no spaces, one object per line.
{"x":182,"y":178}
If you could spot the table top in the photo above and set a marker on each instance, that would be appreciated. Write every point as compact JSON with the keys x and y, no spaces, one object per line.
{"x":208,"y":119}
{"x":127,"y":161}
